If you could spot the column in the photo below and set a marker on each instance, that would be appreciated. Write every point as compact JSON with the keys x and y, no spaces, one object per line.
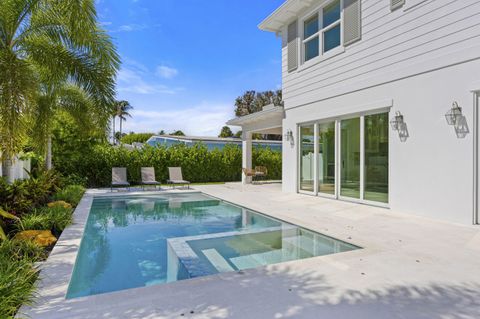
{"x":246,"y":155}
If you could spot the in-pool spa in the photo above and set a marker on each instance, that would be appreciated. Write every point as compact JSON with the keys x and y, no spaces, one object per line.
{"x":137,"y":241}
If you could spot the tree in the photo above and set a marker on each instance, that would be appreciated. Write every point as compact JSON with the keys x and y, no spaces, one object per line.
{"x":251,"y":101}
{"x":122,"y":108}
{"x":162,"y":132}
{"x":44,"y":46}
{"x":226,"y":132}
{"x":177,"y":133}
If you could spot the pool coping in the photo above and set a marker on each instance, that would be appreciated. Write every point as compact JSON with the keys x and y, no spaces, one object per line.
{"x":56,"y":271}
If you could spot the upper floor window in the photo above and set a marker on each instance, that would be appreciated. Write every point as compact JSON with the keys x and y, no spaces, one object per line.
{"x":322,"y":31}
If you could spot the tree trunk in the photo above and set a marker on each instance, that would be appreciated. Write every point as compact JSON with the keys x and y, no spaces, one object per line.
{"x":48,"y":157}
{"x":113,"y":134}
{"x":121,"y":130}
{"x":7,"y":168}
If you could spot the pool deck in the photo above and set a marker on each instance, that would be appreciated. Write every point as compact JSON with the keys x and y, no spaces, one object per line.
{"x":409,"y":267}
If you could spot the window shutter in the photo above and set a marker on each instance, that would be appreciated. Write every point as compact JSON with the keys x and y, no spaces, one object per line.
{"x":395,"y":4}
{"x":352,"y":21}
{"x":292,"y":52}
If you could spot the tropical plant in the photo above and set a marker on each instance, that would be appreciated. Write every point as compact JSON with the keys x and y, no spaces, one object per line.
{"x":177,"y":133}
{"x":23,"y":195}
{"x":55,"y":218}
{"x":71,"y":194}
{"x":17,"y":274}
{"x":226,"y":132}
{"x":122,"y":109}
{"x":43,"y":45}
{"x":4,"y":214}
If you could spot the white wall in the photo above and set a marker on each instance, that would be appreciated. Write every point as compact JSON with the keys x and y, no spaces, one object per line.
{"x":394,"y":45}
{"x":431,"y":174}
{"x":416,"y":60}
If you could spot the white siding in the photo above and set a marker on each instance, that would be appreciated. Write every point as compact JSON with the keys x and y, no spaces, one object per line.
{"x":419,"y":37}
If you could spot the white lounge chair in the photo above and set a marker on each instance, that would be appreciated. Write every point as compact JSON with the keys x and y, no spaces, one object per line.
{"x":119,"y":177}
{"x":148,"y":177}
{"x":175,"y":177}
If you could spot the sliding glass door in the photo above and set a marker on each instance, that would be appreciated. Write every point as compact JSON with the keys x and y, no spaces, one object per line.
{"x":307,"y":158}
{"x":326,"y":158}
{"x":376,"y":158}
{"x":346,"y":158}
{"x":350,"y":158}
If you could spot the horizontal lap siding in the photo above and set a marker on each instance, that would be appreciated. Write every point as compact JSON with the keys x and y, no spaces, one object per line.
{"x":390,"y":41}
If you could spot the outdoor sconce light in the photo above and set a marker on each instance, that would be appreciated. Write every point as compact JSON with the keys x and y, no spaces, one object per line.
{"x":454,"y":115}
{"x":397,"y":121}
{"x":289,"y":135}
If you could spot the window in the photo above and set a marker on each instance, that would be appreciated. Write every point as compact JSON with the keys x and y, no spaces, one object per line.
{"x":310,"y":34}
{"x":322,"y":31}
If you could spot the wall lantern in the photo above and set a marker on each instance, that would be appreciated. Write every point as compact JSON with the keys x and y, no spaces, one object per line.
{"x":397,"y":121}
{"x":454,"y":115}
{"x":289,"y":136}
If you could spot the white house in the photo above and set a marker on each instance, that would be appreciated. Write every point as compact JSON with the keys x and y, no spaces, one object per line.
{"x":381,"y":103}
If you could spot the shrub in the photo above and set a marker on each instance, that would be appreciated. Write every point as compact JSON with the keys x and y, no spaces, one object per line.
{"x":71,"y":194}
{"x":73,"y":179}
{"x":55,"y":218}
{"x":24,"y":195}
{"x":17,"y":275}
{"x":197,"y":162}
{"x":59,"y":203}
{"x":17,"y":250}
{"x":136,"y":137}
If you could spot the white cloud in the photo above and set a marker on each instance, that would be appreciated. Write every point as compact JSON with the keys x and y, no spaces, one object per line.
{"x":130,"y":27}
{"x":132,"y":79}
{"x":166,"y":72}
{"x":205,"y":119}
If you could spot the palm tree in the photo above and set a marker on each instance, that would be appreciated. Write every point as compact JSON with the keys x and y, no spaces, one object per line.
{"x":46,"y":45}
{"x":122,"y":113}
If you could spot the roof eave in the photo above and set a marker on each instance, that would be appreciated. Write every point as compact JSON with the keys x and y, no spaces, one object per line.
{"x":283,"y":15}
{"x":255,"y":117}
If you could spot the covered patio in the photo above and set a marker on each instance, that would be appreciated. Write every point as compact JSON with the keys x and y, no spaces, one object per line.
{"x":267,"y":121}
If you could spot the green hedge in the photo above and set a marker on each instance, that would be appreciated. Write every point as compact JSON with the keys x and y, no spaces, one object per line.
{"x":197,"y":162}
{"x":136,"y":137}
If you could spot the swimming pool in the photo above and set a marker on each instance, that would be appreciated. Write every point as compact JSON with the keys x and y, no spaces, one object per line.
{"x":143,"y":240}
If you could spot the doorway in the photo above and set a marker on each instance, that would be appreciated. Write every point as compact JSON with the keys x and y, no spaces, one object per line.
{"x":346,"y":158}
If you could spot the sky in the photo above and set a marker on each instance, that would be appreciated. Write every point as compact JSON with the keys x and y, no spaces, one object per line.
{"x":185,"y":61}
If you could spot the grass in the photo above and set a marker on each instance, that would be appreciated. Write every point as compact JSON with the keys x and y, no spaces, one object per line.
{"x":17,"y":275}
{"x":55,"y":218}
{"x":71,"y":194}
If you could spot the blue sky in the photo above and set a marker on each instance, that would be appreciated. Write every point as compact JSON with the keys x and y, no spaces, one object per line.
{"x":185,"y":61}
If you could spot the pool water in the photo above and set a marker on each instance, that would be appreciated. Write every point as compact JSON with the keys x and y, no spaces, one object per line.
{"x":137,"y":241}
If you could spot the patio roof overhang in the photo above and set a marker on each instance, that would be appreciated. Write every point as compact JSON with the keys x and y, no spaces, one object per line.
{"x":267,"y":121}
{"x":285,"y":14}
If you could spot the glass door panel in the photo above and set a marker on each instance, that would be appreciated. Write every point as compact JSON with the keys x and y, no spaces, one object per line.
{"x":326,"y":158}
{"x":376,"y":158}
{"x":350,"y":158}
{"x":307,"y":157}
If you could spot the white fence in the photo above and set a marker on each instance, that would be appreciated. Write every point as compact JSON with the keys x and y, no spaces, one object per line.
{"x":19,"y":169}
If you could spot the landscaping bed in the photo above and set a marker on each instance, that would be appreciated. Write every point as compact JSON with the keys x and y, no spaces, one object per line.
{"x":33,"y":212}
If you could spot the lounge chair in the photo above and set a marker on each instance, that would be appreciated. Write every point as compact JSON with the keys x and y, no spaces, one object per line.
{"x":175,"y":177}
{"x":261,"y":172}
{"x":119,"y":177}
{"x":148,"y":177}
